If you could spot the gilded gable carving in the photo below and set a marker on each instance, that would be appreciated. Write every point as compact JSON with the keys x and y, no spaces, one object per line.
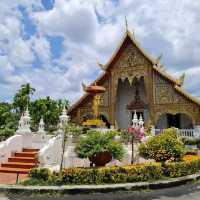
{"x":131,"y":57}
{"x":165,"y":92}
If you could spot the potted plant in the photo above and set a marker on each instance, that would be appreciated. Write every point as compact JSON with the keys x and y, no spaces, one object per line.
{"x":99,"y":147}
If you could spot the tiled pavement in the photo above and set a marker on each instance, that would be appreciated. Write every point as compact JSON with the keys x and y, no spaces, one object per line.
{"x":11,"y":178}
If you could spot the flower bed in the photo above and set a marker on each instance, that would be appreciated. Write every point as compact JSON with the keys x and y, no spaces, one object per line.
{"x":189,"y":165}
{"x":130,"y":173}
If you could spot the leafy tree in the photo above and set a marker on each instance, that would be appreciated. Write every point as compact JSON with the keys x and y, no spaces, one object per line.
{"x":8,"y":121}
{"x":22,"y":98}
{"x":47,"y":108}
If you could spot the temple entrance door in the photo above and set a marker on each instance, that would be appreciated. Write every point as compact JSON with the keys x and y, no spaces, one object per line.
{"x":173,"y":120}
{"x":105,"y":120}
{"x":130,"y":96}
{"x":179,"y":120}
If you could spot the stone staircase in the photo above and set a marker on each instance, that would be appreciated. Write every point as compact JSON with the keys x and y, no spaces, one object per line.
{"x":21,"y":162}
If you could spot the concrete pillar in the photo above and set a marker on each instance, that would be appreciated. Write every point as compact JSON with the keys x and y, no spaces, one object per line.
{"x":197,"y":131}
{"x":153,"y":131}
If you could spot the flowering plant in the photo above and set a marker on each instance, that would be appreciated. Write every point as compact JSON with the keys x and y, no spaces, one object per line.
{"x":137,"y":132}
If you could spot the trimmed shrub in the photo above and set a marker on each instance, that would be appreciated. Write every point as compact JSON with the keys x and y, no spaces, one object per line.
{"x":130,"y":173}
{"x":41,"y":174}
{"x":163,"y":147}
{"x":191,"y":142}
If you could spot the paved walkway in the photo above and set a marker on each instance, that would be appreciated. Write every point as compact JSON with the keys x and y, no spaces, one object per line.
{"x":10,"y":178}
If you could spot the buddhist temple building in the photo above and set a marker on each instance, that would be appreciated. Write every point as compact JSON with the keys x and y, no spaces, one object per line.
{"x":136,"y":81}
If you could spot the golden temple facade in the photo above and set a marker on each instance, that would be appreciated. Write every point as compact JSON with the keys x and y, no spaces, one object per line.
{"x":135,"y":81}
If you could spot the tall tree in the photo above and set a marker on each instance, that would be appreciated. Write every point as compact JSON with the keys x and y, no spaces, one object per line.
{"x":22,"y":98}
{"x":47,"y":108}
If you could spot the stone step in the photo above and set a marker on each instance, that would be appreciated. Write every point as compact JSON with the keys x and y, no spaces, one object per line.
{"x":14,"y":170}
{"x":18,"y":165}
{"x":26,"y":154}
{"x":22,"y":159}
{"x":30,"y":150}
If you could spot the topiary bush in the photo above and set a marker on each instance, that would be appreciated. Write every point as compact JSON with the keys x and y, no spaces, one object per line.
{"x":163,"y":147}
{"x":97,"y":142}
{"x":42,"y":174}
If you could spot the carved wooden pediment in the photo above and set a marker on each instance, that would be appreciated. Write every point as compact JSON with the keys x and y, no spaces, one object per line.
{"x":134,"y":105}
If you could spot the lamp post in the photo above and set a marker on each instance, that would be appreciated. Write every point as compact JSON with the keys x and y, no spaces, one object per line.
{"x":64,"y":119}
{"x":136,"y":131}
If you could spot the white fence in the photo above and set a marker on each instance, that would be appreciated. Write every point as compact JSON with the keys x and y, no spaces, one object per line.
{"x":184,"y":133}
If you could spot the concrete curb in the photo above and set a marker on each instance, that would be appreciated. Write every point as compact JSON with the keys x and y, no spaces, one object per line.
{"x":85,"y":189}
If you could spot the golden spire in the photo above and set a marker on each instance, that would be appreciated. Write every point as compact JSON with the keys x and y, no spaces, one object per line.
{"x":126,"y":24}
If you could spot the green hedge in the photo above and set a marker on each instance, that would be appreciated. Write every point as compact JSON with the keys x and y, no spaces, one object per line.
{"x":132,"y":173}
{"x":191,"y":142}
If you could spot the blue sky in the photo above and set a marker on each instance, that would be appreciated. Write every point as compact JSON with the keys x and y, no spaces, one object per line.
{"x":55,"y":44}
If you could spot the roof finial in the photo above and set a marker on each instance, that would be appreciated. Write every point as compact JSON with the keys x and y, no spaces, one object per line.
{"x":101,"y":66}
{"x":84,"y":86}
{"x":181,"y":79}
{"x":159,"y":58}
{"x":126,"y":23}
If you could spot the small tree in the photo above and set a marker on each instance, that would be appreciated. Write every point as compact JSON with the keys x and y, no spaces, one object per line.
{"x":163,"y":147}
{"x":96,"y":143}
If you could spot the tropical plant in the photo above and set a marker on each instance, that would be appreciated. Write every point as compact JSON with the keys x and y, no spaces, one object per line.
{"x":163,"y":147}
{"x":96,"y":143}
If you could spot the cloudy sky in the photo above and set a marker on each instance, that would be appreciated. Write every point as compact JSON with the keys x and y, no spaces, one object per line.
{"x":55,"y":44}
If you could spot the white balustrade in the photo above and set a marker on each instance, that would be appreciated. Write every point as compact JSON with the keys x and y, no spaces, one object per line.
{"x":10,"y":146}
{"x":184,"y":133}
{"x":50,"y":154}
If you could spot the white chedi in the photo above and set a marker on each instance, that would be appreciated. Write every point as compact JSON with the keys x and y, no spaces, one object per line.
{"x":41,"y":129}
{"x":64,"y":118}
{"x":24,"y":123}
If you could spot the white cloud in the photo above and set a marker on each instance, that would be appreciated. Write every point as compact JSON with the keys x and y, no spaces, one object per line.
{"x":41,"y":47}
{"x":91,"y":30}
{"x":74,"y":20}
